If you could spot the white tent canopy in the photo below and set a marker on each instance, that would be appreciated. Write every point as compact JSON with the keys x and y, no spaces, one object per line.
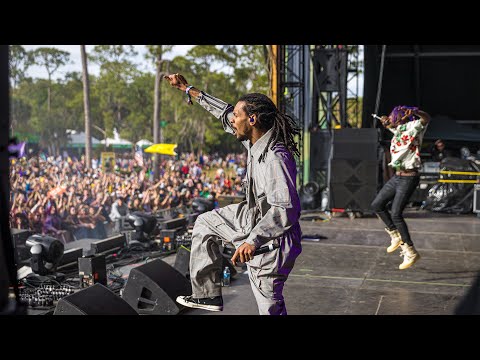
{"x":143,"y":143}
{"x":116,"y":141}
{"x":78,"y":139}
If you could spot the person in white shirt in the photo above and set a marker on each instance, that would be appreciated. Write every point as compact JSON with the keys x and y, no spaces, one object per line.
{"x":408,"y":125}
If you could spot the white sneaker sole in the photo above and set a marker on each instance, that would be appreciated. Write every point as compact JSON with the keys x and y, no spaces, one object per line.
{"x":189,"y":304}
{"x":409,"y":264}
{"x":390,"y":249}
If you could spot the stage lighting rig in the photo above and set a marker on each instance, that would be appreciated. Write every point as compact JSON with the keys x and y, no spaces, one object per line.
{"x":47,"y":252}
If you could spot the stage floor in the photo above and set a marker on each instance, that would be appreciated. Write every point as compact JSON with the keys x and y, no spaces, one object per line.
{"x":344,"y":269}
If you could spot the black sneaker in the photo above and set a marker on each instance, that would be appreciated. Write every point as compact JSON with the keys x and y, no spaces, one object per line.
{"x":211,"y":304}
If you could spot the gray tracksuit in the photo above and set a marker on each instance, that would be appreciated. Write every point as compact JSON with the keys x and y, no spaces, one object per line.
{"x":270,"y":213}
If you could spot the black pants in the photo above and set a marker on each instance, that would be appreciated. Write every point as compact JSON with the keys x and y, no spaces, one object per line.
{"x":398,"y":188}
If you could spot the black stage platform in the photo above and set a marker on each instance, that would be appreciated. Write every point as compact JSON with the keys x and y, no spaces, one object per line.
{"x":345,"y":269}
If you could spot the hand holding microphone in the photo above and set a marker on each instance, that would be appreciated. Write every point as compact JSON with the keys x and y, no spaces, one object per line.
{"x":384,"y":119}
{"x":265,"y":249}
{"x":246,"y":253}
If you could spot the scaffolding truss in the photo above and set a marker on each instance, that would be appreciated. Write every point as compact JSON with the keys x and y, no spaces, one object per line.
{"x":318,"y":92}
{"x":291,"y":90}
{"x":336,"y":86}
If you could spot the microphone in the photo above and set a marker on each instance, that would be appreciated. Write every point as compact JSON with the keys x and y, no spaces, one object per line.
{"x":259,"y":251}
{"x":265,"y":249}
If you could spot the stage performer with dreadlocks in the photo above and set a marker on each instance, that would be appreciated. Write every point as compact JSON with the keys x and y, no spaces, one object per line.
{"x":268,"y":216}
{"x":408,"y":125}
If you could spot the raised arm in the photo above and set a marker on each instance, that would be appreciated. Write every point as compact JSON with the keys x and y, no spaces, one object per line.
{"x":424,"y":117}
{"x":386,"y":123}
{"x":218,"y":108}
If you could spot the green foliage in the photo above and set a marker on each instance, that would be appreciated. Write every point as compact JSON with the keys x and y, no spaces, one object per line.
{"x":50,"y":58}
{"x":19,"y":60}
{"x":122,"y":95}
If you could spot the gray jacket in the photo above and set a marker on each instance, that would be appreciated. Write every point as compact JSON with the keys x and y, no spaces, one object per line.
{"x":271,"y":184}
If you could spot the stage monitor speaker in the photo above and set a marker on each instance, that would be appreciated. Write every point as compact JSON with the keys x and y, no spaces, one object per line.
{"x":182,"y":261}
{"x":354,"y":169}
{"x":152,"y":289}
{"x":94,"y":300}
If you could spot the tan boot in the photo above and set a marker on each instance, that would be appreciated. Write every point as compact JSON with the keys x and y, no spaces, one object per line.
{"x":410,"y":256}
{"x":396,"y":240}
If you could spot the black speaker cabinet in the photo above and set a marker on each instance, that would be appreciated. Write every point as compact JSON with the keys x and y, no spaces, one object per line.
{"x":354,"y":169}
{"x":182,"y":261}
{"x":152,"y":288}
{"x":331,"y":68}
{"x":94,"y":300}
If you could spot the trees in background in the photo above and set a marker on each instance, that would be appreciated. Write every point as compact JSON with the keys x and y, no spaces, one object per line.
{"x":124,"y":96}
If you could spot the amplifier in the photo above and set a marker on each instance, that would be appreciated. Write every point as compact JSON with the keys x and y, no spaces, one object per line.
{"x":173,"y":223}
{"x":108,"y":245}
{"x":70,"y":258}
{"x":167,"y":237}
{"x":92,"y":270}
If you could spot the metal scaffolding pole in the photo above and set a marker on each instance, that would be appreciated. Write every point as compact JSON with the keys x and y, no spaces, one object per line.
{"x":335,"y":92}
{"x":291,"y":96}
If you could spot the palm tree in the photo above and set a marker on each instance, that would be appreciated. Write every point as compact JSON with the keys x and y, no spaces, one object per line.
{"x":86,"y":105}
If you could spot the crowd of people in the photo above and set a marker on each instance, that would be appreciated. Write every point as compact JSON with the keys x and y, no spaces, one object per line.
{"x":60,"y":197}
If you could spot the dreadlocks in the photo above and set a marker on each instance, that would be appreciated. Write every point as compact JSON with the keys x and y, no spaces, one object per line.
{"x":284,"y":128}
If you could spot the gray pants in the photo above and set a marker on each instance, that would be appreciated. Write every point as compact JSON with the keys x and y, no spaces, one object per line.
{"x":267,"y":272}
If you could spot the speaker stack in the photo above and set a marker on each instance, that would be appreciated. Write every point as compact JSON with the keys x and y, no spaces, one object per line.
{"x":94,"y":300}
{"x":354,"y":169}
{"x":152,"y":289}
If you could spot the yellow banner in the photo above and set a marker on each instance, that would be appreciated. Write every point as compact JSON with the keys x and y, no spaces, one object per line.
{"x":165,"y":149}
{"x":108,"y":161}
